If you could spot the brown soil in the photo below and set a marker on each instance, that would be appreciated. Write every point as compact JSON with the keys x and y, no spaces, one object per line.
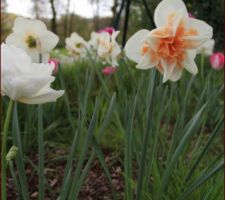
{"x":95,"y":187}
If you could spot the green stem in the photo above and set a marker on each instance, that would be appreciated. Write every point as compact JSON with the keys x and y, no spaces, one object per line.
{"x":4,"y":146}
{"x":147,"y":133}
{"x":202,"y":65}
{"x":40,"y":153}
{"x":41,"y":181}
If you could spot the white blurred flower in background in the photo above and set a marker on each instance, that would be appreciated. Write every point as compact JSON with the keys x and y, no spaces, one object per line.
{"x":106,"y":46}
{"x":32,"y":36}
{"x":76,"y":45}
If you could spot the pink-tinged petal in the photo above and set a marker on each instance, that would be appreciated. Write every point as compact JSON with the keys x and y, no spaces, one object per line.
{"x":55,"y":62}
{"x":204,"y":32}
{"x":189,"y":63}
{"x":134,"y":45}
{"x":217,"y":61}
{"x":109,"y":70}
{"x":109,"y":30}
{"x":166,"y":8}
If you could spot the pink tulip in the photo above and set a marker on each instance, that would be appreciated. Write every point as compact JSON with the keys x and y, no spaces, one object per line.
{"x":217,"y":60}
{"x":55,"y":62}
{"x":109,"y":30}
{"x":109,"y":70}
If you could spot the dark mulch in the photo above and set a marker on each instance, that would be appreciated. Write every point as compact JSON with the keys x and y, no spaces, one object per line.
{"x":95,"y":187}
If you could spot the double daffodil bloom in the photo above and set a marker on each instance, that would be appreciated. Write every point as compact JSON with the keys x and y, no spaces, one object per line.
{"x":171,"y":47}
{"x":106,"y":46}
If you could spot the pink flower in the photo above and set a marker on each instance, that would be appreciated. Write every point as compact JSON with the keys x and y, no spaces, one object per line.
{"x":109,"y":30}
{"x":109,"y":70}
{"x":217,"y":60}
{"x":55,"y":62}
{"x":190,"y":15}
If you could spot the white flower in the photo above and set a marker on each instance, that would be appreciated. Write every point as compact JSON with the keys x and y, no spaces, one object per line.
{"x":24,"y":81}
{"x":106,"y":46}
{"x":207,"y":48}
{"x":171,"y":47}
{"x":93,"y":42}
{"x":32,"y":36}
{"x":76,"y":45}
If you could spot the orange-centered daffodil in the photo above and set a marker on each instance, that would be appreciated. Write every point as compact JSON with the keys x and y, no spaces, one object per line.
{"x":172,"y":46}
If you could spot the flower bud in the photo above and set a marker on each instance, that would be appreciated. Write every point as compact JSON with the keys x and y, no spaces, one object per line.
{"x":12,"y":153}
{"x":109,"y":70}
{"x":217,"y":60}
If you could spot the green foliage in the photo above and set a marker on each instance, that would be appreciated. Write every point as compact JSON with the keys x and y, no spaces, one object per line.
{"x":168,"y":134}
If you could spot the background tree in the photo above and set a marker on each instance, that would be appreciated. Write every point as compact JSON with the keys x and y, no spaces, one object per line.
{"x":54,"y":14}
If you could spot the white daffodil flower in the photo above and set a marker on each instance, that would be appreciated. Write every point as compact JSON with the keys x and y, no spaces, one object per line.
{"x":207,"y":48}
{"x":171,"y":47}
{"x":106,"y":46}
{"x":76,"y":45}
{"x":93,"y":42}
{"x":24,"y":81}
{"x":32,"y":36}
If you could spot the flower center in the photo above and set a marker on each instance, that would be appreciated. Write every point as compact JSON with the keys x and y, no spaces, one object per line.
{"x":171,"y":47}
{"x":79,"y":45}
{"x":31,"y":42}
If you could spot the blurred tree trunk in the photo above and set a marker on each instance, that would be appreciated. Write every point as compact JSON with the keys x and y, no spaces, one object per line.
{"x":114,"y":9}
{"x":67,"y":16}
{"x":96,"y":14}
{"x":36,"y":9}
{"x":71,"y":20}
{"x":53,"y":20}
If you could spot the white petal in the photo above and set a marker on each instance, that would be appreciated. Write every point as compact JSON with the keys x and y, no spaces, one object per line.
{"x":167,"y":7}
{"x":47,"y":95}
{"x":14,"y":66}
{"x":34,"y":54}
{"x":175,"y":74}
{"x":21,"y":86}
{"x":170,"y":71}
{"x":146,"y":62}
{"x":189,"y":63}
{"x":20,"y":25}
{"x":167,"y":70}
{"x":48,"y":41}
{"x":114,"y":35}
{"x":34,"y":27}
{"x":133,"y":45}
{"x":116,"y":50}
{"x":205,"y":32}
{"x":16,"y":40}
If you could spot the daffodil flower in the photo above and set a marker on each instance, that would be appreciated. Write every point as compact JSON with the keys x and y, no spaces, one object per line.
{"x":24,"y":81}
{"x":106,"y":46}
{"x":171,"y":47}
{"x":76,"y":45}
{"x":32,"y":36}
